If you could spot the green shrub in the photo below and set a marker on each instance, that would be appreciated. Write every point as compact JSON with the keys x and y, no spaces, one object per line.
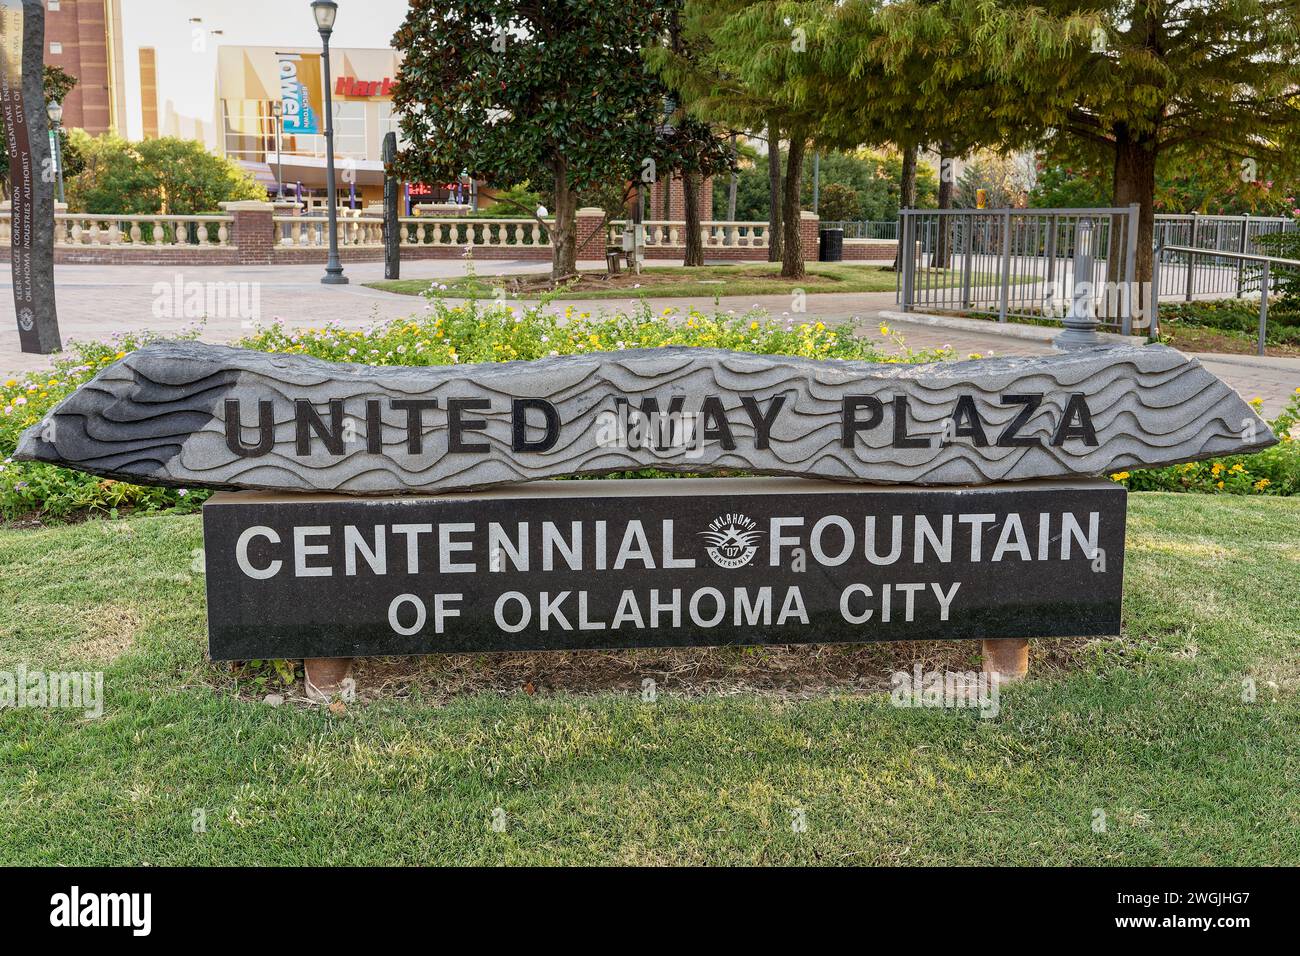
{"x":30,"y":487}
{"x":1273,"y":471}
{"x":1235,"y":316}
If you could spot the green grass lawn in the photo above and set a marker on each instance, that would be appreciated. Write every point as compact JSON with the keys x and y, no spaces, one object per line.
{"x":1150,"y":728}
{"x":670,"y":281}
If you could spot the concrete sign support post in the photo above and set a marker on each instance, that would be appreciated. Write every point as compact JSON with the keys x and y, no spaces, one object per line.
{"x":392,"y":229}
{"x":31,"y":173}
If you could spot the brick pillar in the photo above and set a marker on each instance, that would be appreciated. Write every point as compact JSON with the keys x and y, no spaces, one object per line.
{"x":706,"y":199}
{"x":677,"y":199}
{"x":808,"y":238}
{"x":588,"y":223}
{"x":253,"y":232}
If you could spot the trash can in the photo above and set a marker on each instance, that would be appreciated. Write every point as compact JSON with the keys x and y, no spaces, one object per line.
{"x":831,"y":245}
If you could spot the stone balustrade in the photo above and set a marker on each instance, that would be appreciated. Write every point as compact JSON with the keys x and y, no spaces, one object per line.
{"x":714,"y":233}
{"x":79,"y":230}
{"x":358,"y":230}
{"x":260,"y":233}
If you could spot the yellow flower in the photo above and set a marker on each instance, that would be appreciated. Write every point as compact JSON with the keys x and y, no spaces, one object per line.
{"x":884,"y":329}
{"x":1256,"y":401}
{"x":1238,"y":467}
{"x":1262,"y":484}
{"x":1119,"y":476}
{"x":1219,"y":484}
{"x":120,"y":355}
{"x":1216,"y":470}
{"x":11,"y":383}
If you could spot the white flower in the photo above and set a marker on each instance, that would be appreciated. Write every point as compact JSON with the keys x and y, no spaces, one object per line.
{"x":20,"y":400}
{"x":182,"y":492}
{"x":352,"y":351}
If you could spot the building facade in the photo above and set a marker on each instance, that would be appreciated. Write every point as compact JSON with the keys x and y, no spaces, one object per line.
{"x":84,"y":37}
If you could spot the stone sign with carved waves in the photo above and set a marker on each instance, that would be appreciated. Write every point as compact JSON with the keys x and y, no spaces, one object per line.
{"x":189,"y":414}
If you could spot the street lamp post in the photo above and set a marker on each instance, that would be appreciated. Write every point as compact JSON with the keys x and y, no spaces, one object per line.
{"x":55,"y":112}
{"x":277,"y":111}
{"x":325,"y":11}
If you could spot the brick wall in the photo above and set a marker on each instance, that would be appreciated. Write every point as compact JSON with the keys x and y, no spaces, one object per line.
{"x":869,"y":250}
{"x":677,"y":199}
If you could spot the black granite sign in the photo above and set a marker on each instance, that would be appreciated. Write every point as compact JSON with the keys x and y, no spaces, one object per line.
{"x":613,"y":564}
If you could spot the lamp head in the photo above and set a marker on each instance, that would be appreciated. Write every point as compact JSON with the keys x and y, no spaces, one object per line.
{"x":54,"y":110}
{"x":324,"y":11}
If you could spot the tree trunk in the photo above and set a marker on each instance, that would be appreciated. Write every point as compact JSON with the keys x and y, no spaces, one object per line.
{"x":731,"y":188}
{"x":906,"y":196}
{"x":564,"y":249}
{"x":1135,"y":182}
{"x":691,"y":197}
{"x":943,"y":250}
{"x":773,"y":193}
{"x":792,"y":266}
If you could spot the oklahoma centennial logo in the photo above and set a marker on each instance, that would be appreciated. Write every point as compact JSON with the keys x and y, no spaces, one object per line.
{"x":733,"y":540}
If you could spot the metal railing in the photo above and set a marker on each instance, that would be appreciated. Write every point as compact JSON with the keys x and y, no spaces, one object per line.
{"x":1216,"y":276}
{"x":1255,"y":273}
{"x":1017,"y":262}
{"x":865,"y":228}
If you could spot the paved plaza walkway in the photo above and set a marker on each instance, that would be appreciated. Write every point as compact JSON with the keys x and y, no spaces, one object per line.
{"x":95,"y":301}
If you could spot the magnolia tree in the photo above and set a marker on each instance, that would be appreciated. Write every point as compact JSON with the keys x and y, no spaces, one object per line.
{"x":553,"y":91}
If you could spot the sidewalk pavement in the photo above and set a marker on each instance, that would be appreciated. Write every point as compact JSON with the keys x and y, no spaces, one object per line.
{"x":96,"y":301}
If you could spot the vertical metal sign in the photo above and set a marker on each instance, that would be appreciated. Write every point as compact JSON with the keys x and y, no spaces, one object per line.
{"x":31,"y":172}
{"x":392,"y":228}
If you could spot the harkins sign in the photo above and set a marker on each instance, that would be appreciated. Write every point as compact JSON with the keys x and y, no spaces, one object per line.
{"x":189,"y":414}
{"x":363,"y":89}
